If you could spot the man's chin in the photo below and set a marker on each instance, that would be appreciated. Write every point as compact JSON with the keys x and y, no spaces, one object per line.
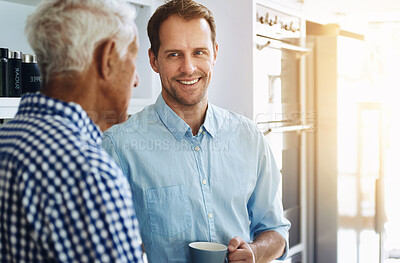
{"x":189,"y":101}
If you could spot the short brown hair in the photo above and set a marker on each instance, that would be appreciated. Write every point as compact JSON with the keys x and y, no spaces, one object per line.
{"x":186,"y":9}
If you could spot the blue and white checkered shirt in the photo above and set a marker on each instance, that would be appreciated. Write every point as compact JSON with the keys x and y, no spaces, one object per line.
{"x":62,"y":198}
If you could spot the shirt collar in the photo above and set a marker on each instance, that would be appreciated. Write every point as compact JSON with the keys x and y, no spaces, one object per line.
{"x":209,"y":122}
{"x":37,"y":103}
{"x":176,"y":125}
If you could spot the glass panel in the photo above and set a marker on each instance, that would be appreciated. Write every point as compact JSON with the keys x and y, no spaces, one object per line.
{"x":359,"y":149}
{"x":347,"y":247}
{"x":358,"y":156}
{"x":384,"y":42}
{"x":347,"y":196}
{"x":369,"y":247}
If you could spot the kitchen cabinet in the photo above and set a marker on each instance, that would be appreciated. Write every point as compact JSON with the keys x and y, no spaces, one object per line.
{"x":13,"y":14}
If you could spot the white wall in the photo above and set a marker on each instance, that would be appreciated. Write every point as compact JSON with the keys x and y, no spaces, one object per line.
{"x":12,"y":22}
{"x":148,"y":87}
{"x":232,"y":84}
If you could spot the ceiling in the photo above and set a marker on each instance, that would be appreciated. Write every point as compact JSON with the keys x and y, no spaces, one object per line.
{"x":352,"y":11}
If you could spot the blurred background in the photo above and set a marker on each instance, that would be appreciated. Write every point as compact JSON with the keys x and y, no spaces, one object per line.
{"x":368,"y":141}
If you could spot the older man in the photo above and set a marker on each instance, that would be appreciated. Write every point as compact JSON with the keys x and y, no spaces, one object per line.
{"x":62,"y":198}
{"x":198,"y":172}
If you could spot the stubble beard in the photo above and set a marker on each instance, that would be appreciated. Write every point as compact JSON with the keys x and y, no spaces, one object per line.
{"x":187,"y":100}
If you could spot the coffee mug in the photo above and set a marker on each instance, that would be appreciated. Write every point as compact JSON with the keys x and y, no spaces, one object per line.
{"x":208,"y":252}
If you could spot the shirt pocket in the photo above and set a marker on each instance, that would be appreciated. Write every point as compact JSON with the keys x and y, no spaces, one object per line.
{"x":169,"y":210}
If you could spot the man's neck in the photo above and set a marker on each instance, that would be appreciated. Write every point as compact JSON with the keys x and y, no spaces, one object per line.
{"x":194,"y":118}
{"x":193,"y":115}
{"x":77,"y":89}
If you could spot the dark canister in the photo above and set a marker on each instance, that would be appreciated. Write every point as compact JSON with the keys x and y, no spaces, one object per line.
{"x":31,"y":80}
{"x":3,"y":72}
{"x":14,"y":73}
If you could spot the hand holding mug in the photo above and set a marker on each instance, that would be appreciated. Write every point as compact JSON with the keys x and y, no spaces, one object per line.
{"x":240,"y":251}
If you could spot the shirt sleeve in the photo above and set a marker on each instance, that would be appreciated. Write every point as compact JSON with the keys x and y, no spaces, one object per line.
{"x":81,"y":210}
{"x":265,"y":205}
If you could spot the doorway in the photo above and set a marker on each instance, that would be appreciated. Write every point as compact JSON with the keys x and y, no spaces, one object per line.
{"x":368,"y":147}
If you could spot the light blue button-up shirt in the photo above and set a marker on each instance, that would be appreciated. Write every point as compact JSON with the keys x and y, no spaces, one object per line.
{"x":221,"y":183}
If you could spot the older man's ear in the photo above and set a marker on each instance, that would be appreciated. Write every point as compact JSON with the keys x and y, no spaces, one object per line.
{"x":105,"y":55}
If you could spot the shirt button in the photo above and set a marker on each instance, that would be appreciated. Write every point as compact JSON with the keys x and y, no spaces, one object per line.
{"x":204,"y":132}
{"x":210,"y":215}
{"x":197,"y":148}
{"x":204,"y":181}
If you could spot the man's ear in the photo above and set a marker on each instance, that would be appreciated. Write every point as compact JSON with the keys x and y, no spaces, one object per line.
{"x":106,"y":55}
{"x":215,"y":54}
{"x":153,"y":61}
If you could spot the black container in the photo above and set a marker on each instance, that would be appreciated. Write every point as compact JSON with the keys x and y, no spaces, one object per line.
{"x":3,"y":72}
{"x":14,"y":73}
{"x":31,"y":80}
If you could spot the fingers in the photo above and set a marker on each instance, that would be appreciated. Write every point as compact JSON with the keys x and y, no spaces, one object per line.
{"x":235,"y":243}
{"x":240,"y":251}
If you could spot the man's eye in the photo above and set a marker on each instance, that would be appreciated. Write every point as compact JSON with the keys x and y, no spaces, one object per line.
{"x":199,"y":52}
{"x":173,"y":55}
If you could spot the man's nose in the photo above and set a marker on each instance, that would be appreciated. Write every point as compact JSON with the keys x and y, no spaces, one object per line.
{"x":188,"y":65}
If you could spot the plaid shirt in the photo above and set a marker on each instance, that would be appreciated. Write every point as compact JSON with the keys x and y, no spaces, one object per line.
{"x":62,"y":198}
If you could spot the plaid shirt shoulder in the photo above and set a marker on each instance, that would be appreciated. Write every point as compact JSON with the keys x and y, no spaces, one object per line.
{"x":62,"y":198}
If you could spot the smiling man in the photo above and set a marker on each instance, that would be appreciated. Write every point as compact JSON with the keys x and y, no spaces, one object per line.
{"x":197,"y":172}
{"x":185,"y":61}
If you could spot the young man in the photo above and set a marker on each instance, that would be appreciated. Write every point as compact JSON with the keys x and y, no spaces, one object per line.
{"x":197,"y":172}
{"x":62,"y":197}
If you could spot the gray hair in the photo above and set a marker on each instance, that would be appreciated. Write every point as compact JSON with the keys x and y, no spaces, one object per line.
{"x":64,"y":33}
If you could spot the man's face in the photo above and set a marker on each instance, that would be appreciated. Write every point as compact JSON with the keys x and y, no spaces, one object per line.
{"x":185,"y":60}
{"x":125,"y":79}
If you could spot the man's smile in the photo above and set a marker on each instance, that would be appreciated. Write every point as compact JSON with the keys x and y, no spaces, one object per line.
{"x":188,"y":82}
